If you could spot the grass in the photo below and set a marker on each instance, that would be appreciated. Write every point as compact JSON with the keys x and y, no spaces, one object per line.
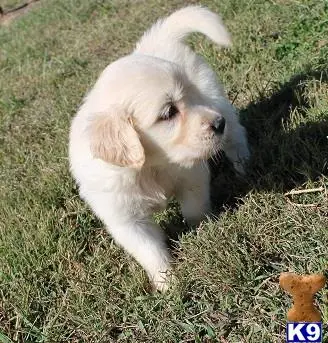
{"x":10,"y":4}
{"x":62,"y":279}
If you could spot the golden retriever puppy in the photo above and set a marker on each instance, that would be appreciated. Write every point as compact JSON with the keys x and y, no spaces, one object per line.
{"x":145,"y":131}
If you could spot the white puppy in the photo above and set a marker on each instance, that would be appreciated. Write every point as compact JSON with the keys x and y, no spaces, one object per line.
{"x":145,"y":131}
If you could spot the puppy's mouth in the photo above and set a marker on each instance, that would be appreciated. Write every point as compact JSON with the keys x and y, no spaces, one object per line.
{"x":207,"y":148}
{"x":212,"y":146}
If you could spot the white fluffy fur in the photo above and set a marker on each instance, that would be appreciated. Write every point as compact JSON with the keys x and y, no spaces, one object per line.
{"x":128,"y":162}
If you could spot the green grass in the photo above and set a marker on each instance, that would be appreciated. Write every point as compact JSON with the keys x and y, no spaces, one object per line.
{"x":62,"y":279}
{"x":10,"y":4}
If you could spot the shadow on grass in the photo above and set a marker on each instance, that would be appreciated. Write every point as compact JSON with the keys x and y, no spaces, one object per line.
{"x":282,"y":159}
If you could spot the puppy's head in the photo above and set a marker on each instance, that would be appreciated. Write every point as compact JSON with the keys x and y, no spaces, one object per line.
{"x":156,"y":116}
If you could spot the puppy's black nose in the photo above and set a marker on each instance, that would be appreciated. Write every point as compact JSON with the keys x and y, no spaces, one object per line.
{"x":218,"y":125}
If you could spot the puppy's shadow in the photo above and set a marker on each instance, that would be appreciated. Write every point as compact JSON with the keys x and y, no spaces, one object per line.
{"x":287,"y":149}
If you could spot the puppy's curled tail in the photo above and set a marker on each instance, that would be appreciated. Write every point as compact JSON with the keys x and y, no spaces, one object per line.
{"x":174,"y":28}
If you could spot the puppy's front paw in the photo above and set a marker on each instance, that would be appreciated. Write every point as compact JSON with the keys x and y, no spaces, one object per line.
{"x":242,"y":156}
{"x":240,"y":167}
{"x":161,"y":286}
{"x":162,"y":281}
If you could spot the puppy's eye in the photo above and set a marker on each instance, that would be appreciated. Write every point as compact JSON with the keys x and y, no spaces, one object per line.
{"x":170,"y":112}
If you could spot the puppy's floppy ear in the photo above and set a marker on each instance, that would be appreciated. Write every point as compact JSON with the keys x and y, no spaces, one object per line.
{"x":114,"y":140}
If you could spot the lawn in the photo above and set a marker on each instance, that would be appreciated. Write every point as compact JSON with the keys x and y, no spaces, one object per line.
{"x":62,"y":279}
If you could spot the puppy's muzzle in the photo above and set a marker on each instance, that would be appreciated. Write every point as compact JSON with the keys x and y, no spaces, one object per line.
{"x":218,"y":125}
